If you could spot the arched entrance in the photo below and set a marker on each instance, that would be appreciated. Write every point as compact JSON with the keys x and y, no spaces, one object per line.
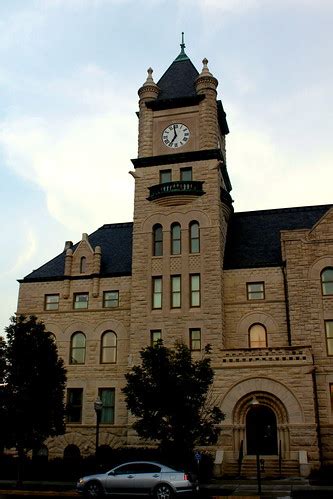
{"x":261,"y":431}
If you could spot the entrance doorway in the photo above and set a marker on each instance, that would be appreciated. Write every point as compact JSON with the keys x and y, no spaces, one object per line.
{"x":261,"y":431}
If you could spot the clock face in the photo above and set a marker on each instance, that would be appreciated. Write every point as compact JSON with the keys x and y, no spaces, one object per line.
{"x":176,"y":135}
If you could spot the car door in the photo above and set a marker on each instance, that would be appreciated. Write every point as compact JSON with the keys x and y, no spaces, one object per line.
{"x":148,"y":475}
{"x":121,"y":480}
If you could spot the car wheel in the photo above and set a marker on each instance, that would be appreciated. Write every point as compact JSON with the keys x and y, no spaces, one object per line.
{"x":93,"y":489}
{"x":163,"y":491}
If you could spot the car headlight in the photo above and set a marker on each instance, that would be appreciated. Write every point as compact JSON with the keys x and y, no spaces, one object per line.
{"x":81,"y":481}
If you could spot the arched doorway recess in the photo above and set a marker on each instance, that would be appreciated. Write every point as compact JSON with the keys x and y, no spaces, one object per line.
{"x":261,"y":431}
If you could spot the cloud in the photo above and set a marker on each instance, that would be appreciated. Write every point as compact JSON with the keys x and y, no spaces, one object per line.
{"x":242,"y":6}
{"x":80,"y":161}
{"x":28,"y":251}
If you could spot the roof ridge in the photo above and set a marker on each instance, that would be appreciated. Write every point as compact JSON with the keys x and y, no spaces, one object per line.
{"x":284,"y":210}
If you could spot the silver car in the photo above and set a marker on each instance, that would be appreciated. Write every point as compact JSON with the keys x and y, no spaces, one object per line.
{"x":138,"y":478}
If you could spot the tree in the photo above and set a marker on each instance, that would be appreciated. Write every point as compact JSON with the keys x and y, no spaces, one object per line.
{"x":35,"y":380}
{"x":169,"y":394}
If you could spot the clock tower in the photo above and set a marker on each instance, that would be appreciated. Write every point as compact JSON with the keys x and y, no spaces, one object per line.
{"x":181,"y":210}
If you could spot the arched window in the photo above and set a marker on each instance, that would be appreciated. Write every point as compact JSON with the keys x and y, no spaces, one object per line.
{"x":78,"y":348}
{"x":175,"y":239}
{"x":327,"y":281}
{"x":83,"y":265}
{"x":257,"y":336}
{"x":194,"y":237}
{"x":157,"y":240}
{"x":108,"y":347}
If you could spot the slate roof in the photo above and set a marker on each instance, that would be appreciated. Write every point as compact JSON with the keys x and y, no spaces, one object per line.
{"x":178,"y":81}
{"x":253,"y":240}
{"x":116,"y":244}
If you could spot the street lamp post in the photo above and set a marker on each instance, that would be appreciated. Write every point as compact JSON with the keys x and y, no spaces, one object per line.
{"x":98,"y":406}
{"x":255,"y":404}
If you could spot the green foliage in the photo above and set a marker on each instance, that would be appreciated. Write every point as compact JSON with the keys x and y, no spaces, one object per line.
{"x":33,"y":394}
{"x":169,"y":394}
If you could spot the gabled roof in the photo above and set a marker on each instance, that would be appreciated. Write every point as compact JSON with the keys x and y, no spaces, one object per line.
{"x":253,"y":238}
{"x":116,"y":244}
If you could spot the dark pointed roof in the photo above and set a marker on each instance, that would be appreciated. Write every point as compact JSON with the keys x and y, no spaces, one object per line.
{"x":179,"y":80}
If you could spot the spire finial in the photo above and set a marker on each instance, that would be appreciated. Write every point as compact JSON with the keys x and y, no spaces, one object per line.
{"x":182,"y":56}
{"x":182,"y":45}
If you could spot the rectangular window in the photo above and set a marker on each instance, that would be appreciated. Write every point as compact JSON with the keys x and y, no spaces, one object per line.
{"x":165,"y":176}
{"x":195,"y":290}
{"x":157,"y":292}
{"x":81,"y":300}
{"x":195,"y":339}
{"x":51,"y":302}
{"x":186,"y":174}
{"x":329,"y":336}
{"x":331,"y":396}
{"x":111,"y":299}
{"x":107,"y":396}
{"x":74,"y":405}
{"x":175,"y":291}
{"x":155,"y":336}
{"x":255,"y":290}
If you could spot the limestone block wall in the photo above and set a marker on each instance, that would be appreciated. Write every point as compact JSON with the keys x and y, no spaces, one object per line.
{"x":241,"y":313}
{"x":175,"y":323}
{"x":91,"y":375}
{"x":307,"y":253}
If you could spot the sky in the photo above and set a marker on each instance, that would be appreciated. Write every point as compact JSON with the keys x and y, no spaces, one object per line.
{"x":69,"y":75}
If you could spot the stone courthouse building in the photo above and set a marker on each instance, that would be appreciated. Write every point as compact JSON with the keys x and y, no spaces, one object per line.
{"x":257,"y":286}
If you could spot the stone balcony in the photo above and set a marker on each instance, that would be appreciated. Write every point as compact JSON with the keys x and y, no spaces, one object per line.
{"x":174,"y":193}
{"x":299,"y":355}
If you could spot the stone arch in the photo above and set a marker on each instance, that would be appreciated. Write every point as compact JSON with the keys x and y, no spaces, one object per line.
{"x":266,"y":320}
{"x":78,"y":326}
{"x":276,"y":391}
{"x":54,"y":328}
{"x":183,"y":218}
{"x":270,"y":393}
{"x":110,"y":325}
{"x":317,"y":267}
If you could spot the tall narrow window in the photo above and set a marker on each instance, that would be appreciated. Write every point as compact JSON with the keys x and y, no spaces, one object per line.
{"x":327,"y":281}
{"x":155,"y":336}
{"x":175,"y":239}
{"x":108,"y":347}
{"x":257,"y":336}
{"x":78,"y":348}
{"x":329,"y":336}
{"x":331,"y":396}
{"x":157,"y":292}
{"x":74,"y":405}
{"x":165,"y":176}
{"x":175,"y":291}
{"x":194,"y":237}
{"x":157,"y":240}
{"x":107,"y":396}
{"x":195,"y":290}
{"x":186,"y":174}
{"x":195,"y":339}
{"x":83,"y":265}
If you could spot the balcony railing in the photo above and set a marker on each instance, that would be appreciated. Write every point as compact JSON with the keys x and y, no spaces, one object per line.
{"x":179,"y":188}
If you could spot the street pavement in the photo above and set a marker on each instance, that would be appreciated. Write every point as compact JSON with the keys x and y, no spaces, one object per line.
{"x":218,"y":489}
